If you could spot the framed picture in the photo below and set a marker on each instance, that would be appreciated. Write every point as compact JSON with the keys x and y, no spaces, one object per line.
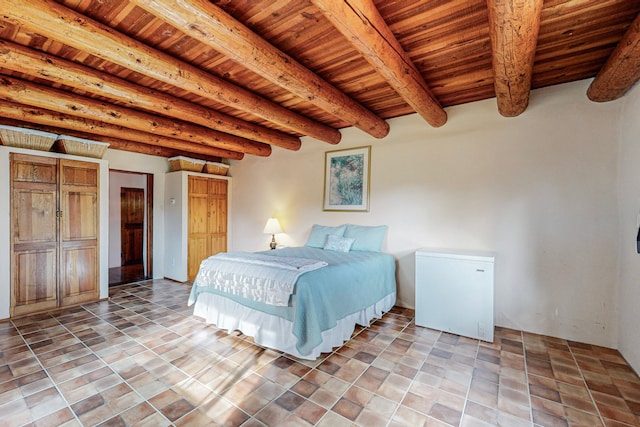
{"x":346,"y":180}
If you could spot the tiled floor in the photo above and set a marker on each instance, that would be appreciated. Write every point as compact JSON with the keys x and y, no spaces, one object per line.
{"x":143,"y":359}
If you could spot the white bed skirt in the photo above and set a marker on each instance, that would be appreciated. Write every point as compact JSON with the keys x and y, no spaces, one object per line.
{"x":275,"y":332}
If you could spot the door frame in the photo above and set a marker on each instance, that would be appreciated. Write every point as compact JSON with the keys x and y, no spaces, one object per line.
{"x":148,"y":219}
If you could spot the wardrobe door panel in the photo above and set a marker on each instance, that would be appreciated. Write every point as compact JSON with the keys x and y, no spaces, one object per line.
{"x":78,"y":273}
{"x":35,"y":280}
{"x":34,"y":232}
{"x":79,"y":206}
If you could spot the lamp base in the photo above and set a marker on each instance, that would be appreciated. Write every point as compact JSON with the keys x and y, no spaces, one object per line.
{"x":273,"y":243}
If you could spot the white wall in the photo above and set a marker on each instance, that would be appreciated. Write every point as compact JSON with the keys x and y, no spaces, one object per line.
{"x":158,"y":167}
{"x":538,"y":189}
{"x":629,"y":214}
{"x":117,"y":180}
{"x":176,"y":226}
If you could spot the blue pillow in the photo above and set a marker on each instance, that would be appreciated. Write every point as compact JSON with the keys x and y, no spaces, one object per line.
{"x":318,"y":236}
{"x":338,"y":244}
{"x":367,"y":238}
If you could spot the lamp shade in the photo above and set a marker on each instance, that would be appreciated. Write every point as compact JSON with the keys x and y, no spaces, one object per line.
{"x":272,"y":226}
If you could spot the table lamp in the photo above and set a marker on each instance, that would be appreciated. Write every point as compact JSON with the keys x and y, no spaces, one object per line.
{"x":272,"y":227}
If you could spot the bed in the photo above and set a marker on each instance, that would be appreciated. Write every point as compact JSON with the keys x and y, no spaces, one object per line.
{"x":350,"y":282}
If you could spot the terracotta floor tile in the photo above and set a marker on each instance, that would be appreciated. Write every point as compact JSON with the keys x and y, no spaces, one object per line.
{"x":348,"y":409}
{"x":377,"y":413}
{"x":420,"y":400}
{"x":45,"y":402}
{"x":321,"y":388}
{"x":445,"y":414}
{"x":216,"y":411}
{"x":273,"y":415}
{"x":89,"y":384}
{"x":290,"y":401}
{"x":481,"y":412}
{"x":140,"y":415}
{"x":21,"y":367}
{"x":61,"y":418}
{"x":310,"y":412}
{"x":63,"y":354}
{"x":142,"y":359}
{"x":75,"y":368}
{"x":101,"y":407}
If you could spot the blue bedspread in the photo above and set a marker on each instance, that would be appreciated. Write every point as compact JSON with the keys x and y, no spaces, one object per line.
{"x":351,"y":282}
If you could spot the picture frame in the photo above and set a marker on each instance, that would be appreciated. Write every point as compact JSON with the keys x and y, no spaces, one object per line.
{"x":346,"y":179}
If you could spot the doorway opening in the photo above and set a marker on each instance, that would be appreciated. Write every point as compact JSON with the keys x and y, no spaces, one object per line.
{"x":130,"y":227}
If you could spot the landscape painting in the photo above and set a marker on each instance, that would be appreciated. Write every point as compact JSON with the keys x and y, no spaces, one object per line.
{"x":346,"y":180}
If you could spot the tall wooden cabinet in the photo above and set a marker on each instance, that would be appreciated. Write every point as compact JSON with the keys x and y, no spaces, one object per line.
{"x":54,"y":233}
{"x":207,"y":218}
{"x":196,"y":221}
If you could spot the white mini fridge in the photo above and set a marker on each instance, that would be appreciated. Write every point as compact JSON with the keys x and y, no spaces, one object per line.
{"x":454,"y":292}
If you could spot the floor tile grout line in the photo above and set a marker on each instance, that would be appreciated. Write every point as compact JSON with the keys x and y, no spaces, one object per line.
{"x":124,"y":380}
{"x":397,"y":405}
{"x":46,"y":371}
{"x":466,"y":397}
{"x":412,"y":380}
{"x":526,"y":377}
{"x":101,"y":359}
{"x":193,"y":377}
{"x":146,"y":300}
{"x":586,"y":385}
{"x":188,"y":376}
{"x":333,"y":352}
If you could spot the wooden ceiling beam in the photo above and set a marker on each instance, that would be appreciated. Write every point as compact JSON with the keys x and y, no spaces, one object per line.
{"x":33,"y":94}
{"x":154,"y":150}
{"x":361,"y":23}
{"x":114,"y":143}
{"x":57,"y":22}
{"x":622,"y":69}
{"x":42,"y":65}
{"x":513,"y":28}
{"x":212,"y":26}
{"x":43,"y":117}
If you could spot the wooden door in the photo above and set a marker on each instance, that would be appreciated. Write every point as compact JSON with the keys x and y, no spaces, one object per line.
{"x":79,"y":232}
{"x":34,"y":233}
{"x":207,"y":213}
{"x":218,"y":216}
{"x":132,"y":225}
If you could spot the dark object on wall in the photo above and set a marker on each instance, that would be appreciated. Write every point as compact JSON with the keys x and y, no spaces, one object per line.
{"x":638,"y":241}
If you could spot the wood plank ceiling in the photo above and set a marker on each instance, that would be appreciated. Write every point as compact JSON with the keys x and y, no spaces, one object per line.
{"x":221,"y":79}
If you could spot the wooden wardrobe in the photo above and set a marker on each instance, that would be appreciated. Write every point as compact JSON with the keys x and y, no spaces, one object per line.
{"x":196,"y":221}
{"x":207,"y":221}
{"x":54,"y":233}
